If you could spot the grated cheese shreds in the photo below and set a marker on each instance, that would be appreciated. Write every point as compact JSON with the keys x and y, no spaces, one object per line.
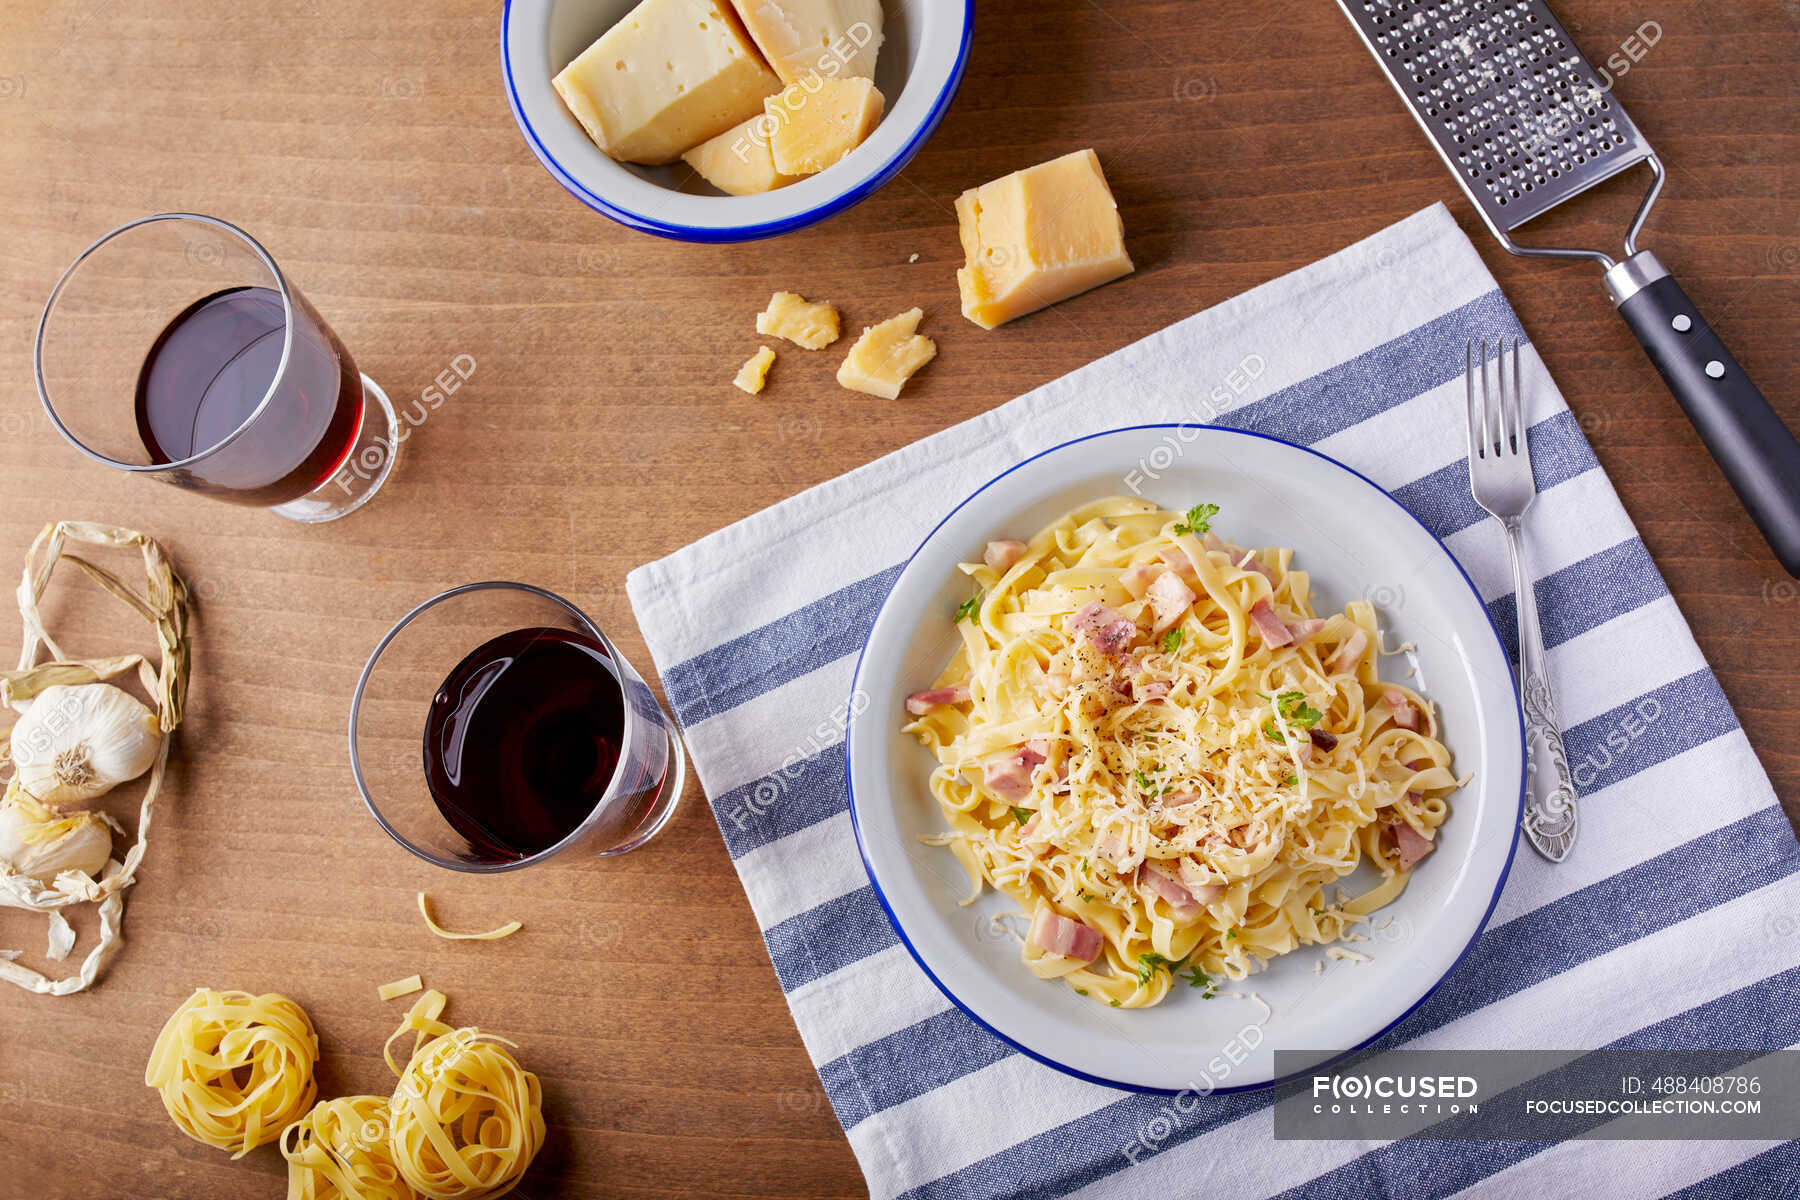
{"x":400,"y":987}
{"x":492,"y":935}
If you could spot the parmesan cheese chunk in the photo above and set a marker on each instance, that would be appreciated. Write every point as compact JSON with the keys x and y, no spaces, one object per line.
{"x":1038,"y":236}
{"x":799,"y":320}
{"x":755,"y":372}
{"x":667,"y":77}
{"x":738,"y":162}
{"x":815,"y":124}
{"x":887,"y":355}
{"x":803,"y":38}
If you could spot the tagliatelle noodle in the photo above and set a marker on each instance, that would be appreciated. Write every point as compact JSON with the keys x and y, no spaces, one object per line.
{"x":1187,"y":753}
{"x":211,"y":1039}
{"x":339,"y":1151}
{"x":492,"y":935}
{"x":466,"y":1120}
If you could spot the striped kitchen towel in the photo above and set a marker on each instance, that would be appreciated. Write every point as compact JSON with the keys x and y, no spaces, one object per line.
{"x":1673,"y":923}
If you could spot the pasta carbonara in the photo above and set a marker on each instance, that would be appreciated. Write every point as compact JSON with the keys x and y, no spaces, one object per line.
{"x":1152,"y":744}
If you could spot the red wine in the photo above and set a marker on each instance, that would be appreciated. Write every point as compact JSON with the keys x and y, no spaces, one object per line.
{"x":522,"y":740}
{"x":209,"y":370}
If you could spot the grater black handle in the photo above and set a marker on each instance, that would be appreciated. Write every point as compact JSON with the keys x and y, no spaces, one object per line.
{"x":1758,"y":454}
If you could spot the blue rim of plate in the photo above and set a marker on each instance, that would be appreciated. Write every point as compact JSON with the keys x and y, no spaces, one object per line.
{"x":737,"y":233}
{"x":1481,"y":926}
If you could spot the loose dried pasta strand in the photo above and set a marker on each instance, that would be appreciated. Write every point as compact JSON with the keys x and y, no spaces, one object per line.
{"x":492,"y":935}
{"x":400,"y":987}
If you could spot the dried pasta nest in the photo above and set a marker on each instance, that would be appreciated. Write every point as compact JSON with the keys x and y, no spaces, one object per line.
{"x":235,"y":1069}
{"x":466,"y":1119}
{"x":339,"y":1151}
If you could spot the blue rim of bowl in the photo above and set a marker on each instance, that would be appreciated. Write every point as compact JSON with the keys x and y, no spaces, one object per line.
{"x":1143,"y":1089}
{"x":737,"y":233}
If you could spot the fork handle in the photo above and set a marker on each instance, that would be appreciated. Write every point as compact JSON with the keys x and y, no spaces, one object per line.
{"x":1758,"y":454}
{"x":1549,"y":822}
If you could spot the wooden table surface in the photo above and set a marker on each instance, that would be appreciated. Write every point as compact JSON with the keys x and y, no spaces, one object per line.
{"x":370,"y":147}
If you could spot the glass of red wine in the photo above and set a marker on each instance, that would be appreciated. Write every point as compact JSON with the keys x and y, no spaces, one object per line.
{"x":495,"y":727}
{"x":174,"y":347}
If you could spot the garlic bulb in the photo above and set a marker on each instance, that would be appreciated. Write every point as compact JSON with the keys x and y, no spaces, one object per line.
{"x":79,"y":741}
{"x":38,"y":841}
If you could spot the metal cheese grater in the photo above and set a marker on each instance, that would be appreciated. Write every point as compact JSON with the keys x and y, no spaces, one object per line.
{"x":1523,"y":122}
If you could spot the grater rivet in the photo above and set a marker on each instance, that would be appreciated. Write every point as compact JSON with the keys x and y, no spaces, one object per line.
{"x":1681,"y":322}
{"x":1715,"y":369}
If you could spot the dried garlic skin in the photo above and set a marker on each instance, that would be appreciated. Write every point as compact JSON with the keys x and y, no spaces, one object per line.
{"x":41,"y":842}
{"x":79,"y":741}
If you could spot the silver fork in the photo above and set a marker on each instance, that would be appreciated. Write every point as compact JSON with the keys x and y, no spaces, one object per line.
{"x":1500,"y":476}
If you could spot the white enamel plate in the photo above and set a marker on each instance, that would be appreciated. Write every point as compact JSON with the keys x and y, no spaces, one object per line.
{"x":1356,"y":542}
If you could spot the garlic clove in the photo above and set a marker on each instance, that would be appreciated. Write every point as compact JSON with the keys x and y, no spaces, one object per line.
{"x":38,"y":841}
{"x":78,"y":741}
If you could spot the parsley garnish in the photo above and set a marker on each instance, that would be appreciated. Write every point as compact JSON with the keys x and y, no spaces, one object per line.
{"x":1198,"y":519}
{"x":1231,"y":934}
{"x":1149,"y":965}
{"x":1144,"y":781}
{"x":1114,"y":1003}
{"x":1171,"y":641}
{"x":1295,"y":711}
{"x":1021,"y":815}
{"x":1081,"y":991}
{"x":1083,"y":897}
{"x":968,"y":608}
{"x":1200,"y":979}
{"x":1290,"y":781}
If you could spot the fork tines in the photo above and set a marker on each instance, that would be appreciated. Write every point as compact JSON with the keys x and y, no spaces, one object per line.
{"x":1496,"y":414}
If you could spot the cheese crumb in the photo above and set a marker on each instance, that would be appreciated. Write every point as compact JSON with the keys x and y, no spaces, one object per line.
{"x":754,"y":373}
{"x":799,"y":320}
{"x":400,"y":987}
{"x":887,"y":355}
{"x":912,"y":258}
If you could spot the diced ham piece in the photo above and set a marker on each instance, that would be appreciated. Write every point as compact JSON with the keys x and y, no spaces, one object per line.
{"x":1035,"y":751}
{"x":1213,"y":541}
{"x":1169,"y":600}
{"x":1274,"y":632}
{"x":1107,"y":628}
{"x":1412,"y":845}
{"x":1251,"y":563}
{"x":1054,"y":933}
{"x":1156,"y":689}
{"x":1181,"y":564}
{"x":1001,"y":555}
{"x":1112,"y":847}
{"x":920,"y":703}
{"x":1181,"y":901}
{"x":1406,"y":714}
{"x":1010,"y":780}
{"x":1197,"y":879}
{"x":1137,"y":580}
{"x":1350,"y":653}
{"x":1301,"y":630}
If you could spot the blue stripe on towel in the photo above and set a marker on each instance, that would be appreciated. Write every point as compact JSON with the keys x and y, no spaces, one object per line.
{"x":908,"y":1063}
{"x":1772,"y":1175}
{"x":1600,"y":588}
{"x":763,"y":659}
{"x":813,"y":944}
{"x":1671,"y":887}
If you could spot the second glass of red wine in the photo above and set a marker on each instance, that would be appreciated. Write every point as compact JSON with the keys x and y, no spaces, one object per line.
{"x":175,"y":347}
{"x":495,"y":727}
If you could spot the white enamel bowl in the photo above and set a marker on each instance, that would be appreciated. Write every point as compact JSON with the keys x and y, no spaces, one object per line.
{"x":1356,"y":542}
{"x":925,"y":46}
